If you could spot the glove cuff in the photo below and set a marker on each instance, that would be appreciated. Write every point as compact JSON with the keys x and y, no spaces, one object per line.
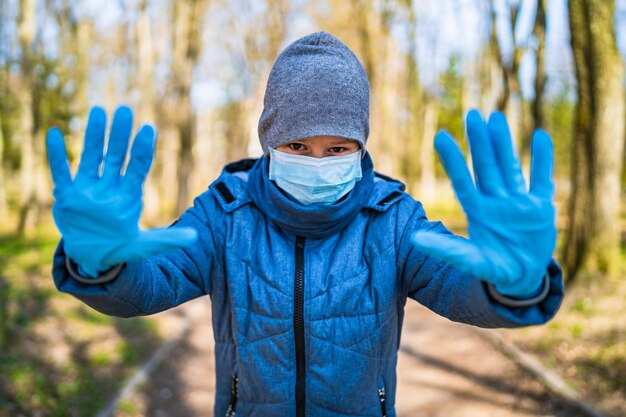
{"x":516,"y":302}
{"x":105,"y":277}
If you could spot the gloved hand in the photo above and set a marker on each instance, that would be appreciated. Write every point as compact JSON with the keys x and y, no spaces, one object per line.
{"x":512,"y":232}
{"x":98,"y":214}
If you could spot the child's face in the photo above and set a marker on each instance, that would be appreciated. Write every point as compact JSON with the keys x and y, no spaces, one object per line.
{"x":321,"y":146}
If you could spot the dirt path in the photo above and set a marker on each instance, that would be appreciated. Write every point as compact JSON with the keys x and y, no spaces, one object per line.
{"x":445,"y":369}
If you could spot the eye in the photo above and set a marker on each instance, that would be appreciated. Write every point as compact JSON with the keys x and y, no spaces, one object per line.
{"x":337,"y":149}
{"x":296,"y":146}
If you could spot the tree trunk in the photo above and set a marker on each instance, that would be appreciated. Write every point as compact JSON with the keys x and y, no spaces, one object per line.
{"x":24,"y":134}
{"x":489,"y":74}
{"x":3,"y":183}
{"x":145,"y":64}
{"x":427,"y":187}
{"x":372,"y":25}
{"x":412,"y":159}
{"x":593,"y":234}
{"x":4,"y":312}
{"x":510,"y":100}
{"x":187,"y":41}
{"x":362,"y":12}
{"x":4,"y":93}
{"x":503,"y":98}
{"x":146,"y":108}
{"x":539,"y":31}
{"x":235,"y":130}
{"x":535,"y":109}
{"x":261,"y":47}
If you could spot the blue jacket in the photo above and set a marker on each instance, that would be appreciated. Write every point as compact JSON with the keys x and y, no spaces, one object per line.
{"x":308,"y":301}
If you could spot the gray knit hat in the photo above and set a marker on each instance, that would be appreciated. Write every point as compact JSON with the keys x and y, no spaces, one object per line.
{"x":317,"y":87}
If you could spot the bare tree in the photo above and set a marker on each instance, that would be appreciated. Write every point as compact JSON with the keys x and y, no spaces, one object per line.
{"x":4,"y":93}
{"x":3,"y":183}
{"x":260,"y":45}
{"x":186,"y":43}
{"x":412,"y":149}
{"x":145,"y":61}
{"x":417,"y":157}
{"x":509,"y":68}
{"x":593,"y":233}
{"x":25,"y":132}
{"x":539,"y":33}
{"x":510,"y":99}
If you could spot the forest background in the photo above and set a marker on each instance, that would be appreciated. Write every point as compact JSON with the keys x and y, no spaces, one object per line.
{"x":197,"y":70}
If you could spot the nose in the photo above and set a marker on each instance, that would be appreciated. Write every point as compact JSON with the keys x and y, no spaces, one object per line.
{"x":317,"y":153}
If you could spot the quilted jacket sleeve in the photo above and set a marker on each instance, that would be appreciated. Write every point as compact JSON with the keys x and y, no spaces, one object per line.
{"x":153,"y":284}
{"x":454,"y":294}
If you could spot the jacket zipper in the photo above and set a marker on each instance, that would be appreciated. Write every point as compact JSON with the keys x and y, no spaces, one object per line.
{"x":383,"y":401}
{"x":231,"y":411}
{"x":298,"y":326}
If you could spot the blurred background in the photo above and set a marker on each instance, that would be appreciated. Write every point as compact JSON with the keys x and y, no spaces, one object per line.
{"x":198,"y":69}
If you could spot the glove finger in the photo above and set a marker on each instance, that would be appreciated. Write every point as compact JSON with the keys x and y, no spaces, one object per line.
{"x":488,"y":176}
{"x":508,"y":160}
{"x":455,"y":166}
{"x":91,"y":158}
{"x":455,"y":250}
{"x":542,"y":165}
{"x":141,"y":156}
{"x":157,"y":241}
{"x":118,"y":142}
{"x":57,"y":159}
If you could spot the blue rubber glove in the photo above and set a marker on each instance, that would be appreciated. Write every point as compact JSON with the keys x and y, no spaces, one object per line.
{"x":512,"y":232}
{"x":98,"y":214}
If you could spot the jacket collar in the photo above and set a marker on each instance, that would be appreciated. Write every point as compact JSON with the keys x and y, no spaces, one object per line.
{"x":247,"y":181}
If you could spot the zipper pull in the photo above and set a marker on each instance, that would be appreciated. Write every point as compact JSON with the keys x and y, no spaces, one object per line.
{"x":383,"y":401}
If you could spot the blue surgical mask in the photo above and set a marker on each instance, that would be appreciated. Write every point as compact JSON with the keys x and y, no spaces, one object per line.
{"x":315,"y":180}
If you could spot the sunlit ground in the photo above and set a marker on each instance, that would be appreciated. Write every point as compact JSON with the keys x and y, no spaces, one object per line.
{"x":586,"y":342}
{"x":58,"y":356}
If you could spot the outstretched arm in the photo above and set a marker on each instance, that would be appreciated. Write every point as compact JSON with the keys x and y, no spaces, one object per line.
{"x":460,"y":296}
{"x":507,"y":260}
{"x":512,"y":231}
{"x":104,"y":257}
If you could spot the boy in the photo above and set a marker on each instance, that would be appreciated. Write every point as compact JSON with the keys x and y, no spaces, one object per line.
{"x":307,"y":254}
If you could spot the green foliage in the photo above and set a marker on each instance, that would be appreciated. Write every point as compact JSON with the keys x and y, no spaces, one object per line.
{"x":576,"y":330}
{"x":450,"y":100}
{"x":582,"y":306}
{"x":451,"y":106}
{"x":128,"y":407}
{"x":53,"y":96}
{"x":88,"y":315}
{"x":74,"y":391}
